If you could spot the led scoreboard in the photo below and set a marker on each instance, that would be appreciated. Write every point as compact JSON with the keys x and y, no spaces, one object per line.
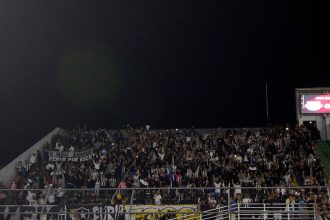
{"x":315,"y":103}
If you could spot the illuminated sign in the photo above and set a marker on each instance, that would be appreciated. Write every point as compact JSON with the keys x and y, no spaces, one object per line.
{"x":315,"y":103}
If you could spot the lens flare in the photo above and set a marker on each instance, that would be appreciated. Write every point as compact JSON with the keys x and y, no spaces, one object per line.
{"x":87,"y":76}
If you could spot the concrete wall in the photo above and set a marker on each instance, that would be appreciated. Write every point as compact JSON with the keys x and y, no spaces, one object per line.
{"x":8,"y":173}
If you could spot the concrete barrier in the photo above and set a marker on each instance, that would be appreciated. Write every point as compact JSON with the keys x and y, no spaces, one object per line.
{"x":8,"y":173}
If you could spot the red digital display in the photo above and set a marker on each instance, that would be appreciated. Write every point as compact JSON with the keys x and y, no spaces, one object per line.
{"x":315,"y":103}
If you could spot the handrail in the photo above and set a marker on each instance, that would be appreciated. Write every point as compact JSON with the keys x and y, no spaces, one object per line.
{"x":252,"y":208}
{"x":173,"y":188}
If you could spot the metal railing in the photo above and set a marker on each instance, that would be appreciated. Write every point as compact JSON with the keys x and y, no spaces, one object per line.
{"x":164,"y":203}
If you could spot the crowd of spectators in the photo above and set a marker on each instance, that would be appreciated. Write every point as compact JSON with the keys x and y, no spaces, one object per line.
{"x":276,"y":156}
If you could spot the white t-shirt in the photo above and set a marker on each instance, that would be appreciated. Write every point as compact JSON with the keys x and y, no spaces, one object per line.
{"x":71,"y":149}
{"x":217,"y":187}
{"x":97,"y":184}
{"x":157,"y":199}
{"x":97,"y":165}
{"x":51,"y":198}
{"x":269,"y":165}
{"x":59,"y":148}
{"x":58,"y":166}
{"x":161,"y":156}
{"x":60,"y":193}
{"x":136,"y":181}
{"x":42,"y":201}
{"x":286,"y":178}
{"x":239,"y":159}
{"x":30,"y":197}
{"x":33,"y":159}
{"x":50,"y":166}
{"x":246,"y":201}
{"x":174,"y":168}
{"x":189,"y":173}
{"x":238,"y":189}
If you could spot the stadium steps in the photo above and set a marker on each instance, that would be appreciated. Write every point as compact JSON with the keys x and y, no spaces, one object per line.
{"x":323,"y":152}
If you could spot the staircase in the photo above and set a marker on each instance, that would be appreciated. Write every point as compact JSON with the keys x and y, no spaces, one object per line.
{"x":323,"y":152}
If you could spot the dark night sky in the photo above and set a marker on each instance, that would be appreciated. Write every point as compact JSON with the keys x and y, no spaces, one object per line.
{"x":165,"y":63}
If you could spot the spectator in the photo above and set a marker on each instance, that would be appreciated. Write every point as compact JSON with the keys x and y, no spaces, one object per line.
{"x":233,"y":210}
{"x":217,"y":185}
{"x":157,"y":198}
{"x":33,"y":159}
{"x":3,"y":197}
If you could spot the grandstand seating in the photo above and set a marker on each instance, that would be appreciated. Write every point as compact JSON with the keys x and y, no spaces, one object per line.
{"x":204,"y":169}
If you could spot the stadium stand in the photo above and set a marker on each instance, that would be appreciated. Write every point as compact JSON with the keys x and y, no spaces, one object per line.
{"x":237,"y":173}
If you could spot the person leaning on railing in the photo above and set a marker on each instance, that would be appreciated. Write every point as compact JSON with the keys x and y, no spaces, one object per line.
{"x":3,"y":198}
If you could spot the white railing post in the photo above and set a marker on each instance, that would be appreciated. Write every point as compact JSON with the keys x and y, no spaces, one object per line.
{"x":265,"y":215}
{"x":131,"y":203}
{"x":229,"y":207}
{"x":238,"y":211}
{"x":18,"y":215}
{"x":62,"y":216}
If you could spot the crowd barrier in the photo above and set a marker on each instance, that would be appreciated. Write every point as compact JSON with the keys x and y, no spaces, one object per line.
{"x":139,"y":203}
